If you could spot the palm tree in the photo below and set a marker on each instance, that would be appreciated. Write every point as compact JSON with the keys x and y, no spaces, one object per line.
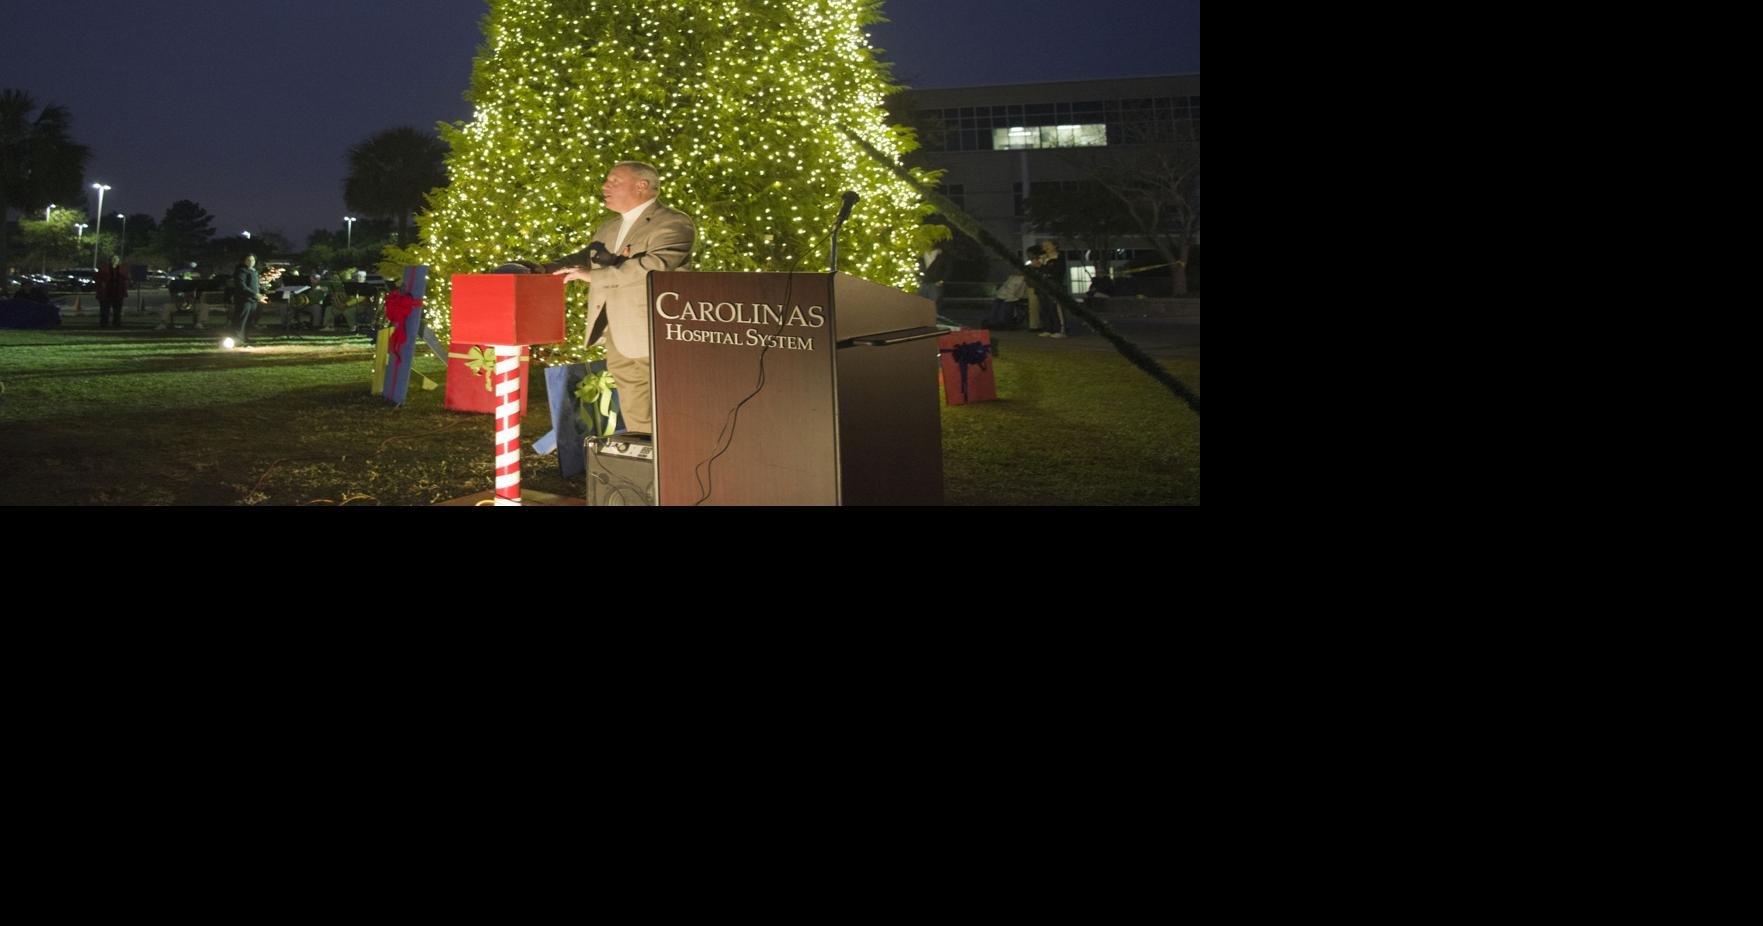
{"x":40,"y":162}
{"x":391,"y":174}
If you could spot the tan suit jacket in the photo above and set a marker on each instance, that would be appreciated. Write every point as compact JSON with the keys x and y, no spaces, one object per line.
{"x":661,"y":240}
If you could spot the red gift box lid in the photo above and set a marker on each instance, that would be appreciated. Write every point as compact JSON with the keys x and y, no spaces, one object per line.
{"x":511,"y":309}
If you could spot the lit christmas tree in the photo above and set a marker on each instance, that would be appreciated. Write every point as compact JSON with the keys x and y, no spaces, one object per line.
{"x":743,"y":105}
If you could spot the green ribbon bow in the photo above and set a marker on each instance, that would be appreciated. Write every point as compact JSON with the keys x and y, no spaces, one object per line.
{"x":481,"y":361}
{"x":594,"y":398}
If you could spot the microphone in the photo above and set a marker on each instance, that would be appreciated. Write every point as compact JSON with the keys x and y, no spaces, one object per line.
{"x":844,"y":213}
{"x":599,"y":255}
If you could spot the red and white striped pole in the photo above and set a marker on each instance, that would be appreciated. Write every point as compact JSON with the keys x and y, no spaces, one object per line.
{"x":507,"y":384}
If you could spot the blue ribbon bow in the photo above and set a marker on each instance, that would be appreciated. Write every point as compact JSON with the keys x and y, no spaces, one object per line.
{"x":973,"y":353}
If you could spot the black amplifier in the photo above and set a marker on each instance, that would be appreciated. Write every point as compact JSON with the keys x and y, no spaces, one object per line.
{"x":621,"y":470}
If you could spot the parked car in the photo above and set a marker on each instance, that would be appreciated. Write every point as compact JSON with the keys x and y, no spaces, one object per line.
{"x":75,"y":279}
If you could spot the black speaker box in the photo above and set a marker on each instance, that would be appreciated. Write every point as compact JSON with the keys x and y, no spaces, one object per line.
{"x":621,"y":470}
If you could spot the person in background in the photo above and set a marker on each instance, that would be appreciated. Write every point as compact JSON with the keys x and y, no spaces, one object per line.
{"x":113,"y":288}
{"x":1102,"y":286}
{"x":1013,"y":290}
{"x":934,"y":266}
{"x":1046,"y":314}
{"x":247,"y":293}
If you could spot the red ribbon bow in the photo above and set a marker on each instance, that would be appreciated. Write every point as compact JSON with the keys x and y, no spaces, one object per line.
{"x":399,"y":307}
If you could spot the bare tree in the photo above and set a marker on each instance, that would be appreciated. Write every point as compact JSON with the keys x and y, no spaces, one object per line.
{"x":1080,"y":212}
{"x":1157,"y":182}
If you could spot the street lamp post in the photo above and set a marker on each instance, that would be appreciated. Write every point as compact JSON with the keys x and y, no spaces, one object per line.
{"x":46,"y":210}
{"x":100,"y":187}
{"x":351,"y":241}
{"x":79,"y":232}
{"x":122,"y":247}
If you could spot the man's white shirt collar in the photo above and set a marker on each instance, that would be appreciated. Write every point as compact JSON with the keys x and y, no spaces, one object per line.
{"x":630,"y":219}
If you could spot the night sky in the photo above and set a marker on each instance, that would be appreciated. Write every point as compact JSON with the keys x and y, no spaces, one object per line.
{"x":248,"y":106}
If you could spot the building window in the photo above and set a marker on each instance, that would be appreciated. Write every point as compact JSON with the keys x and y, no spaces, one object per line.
{"x":1089,"y":123}
{"x":1094,"y":135}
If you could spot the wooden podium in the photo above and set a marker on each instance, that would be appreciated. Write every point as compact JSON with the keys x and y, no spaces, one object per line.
{"x":844,"y":410}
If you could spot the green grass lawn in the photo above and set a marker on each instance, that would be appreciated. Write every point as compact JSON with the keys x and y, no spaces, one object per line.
{"x":1073,"y":427}
{"x":137,"y":417}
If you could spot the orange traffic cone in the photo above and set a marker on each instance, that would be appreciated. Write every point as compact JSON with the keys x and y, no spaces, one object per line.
{"x":76,"y":303}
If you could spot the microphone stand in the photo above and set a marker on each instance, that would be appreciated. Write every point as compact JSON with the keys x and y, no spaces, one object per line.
{"x":844,"y":213}
{"x":833,"y":265}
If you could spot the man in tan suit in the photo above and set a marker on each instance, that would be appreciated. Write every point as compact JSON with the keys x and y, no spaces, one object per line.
{"x":616,"y":263}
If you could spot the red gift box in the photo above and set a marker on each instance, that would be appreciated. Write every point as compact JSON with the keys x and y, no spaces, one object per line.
{"x":971,"y":350}
{"x":466,"y":391}
{"x":507,"y":308}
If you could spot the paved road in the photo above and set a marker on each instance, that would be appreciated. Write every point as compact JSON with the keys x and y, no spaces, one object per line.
{"x":1159,"y":336}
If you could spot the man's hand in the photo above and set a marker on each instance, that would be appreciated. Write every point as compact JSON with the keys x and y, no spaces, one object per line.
{"x":572,"y":273}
